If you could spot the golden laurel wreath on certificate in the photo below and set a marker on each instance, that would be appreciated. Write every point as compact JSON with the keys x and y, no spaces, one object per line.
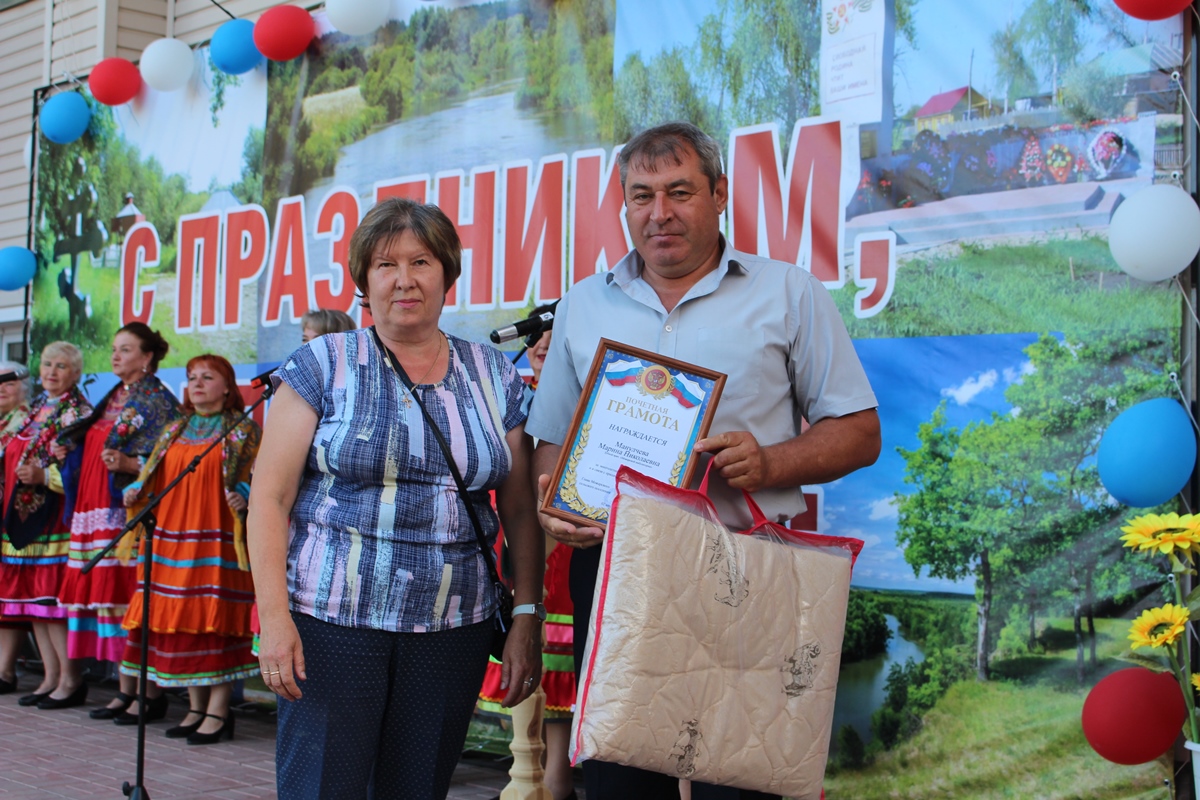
{"x":569,"y":494}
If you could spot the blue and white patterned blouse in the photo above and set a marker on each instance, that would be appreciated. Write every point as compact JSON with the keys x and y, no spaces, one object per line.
{"x":378,"y":537}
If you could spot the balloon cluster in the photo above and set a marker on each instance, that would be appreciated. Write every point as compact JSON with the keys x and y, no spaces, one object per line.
{"x":238,"y":46}
{"x":1147,"y":454}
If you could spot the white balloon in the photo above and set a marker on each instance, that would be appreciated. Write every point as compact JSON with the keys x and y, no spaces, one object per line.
{"x":1155,"y":233}
{"x":167,"y":64}
{"x":356,"y":17}
{"x":28,"y":153}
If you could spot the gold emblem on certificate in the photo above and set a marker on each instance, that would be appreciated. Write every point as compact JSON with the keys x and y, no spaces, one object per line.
{"x":638,"y":409}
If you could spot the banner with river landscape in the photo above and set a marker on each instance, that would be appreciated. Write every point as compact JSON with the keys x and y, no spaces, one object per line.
{"x":947,"y":168}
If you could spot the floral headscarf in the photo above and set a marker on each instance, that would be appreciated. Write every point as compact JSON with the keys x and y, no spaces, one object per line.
{"x":148,"y":409}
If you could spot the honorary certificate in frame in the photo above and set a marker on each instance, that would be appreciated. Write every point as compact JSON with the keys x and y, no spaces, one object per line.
{"x":637,"y":408}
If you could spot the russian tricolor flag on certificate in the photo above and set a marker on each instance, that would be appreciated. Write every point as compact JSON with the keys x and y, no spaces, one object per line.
{"x":688,"y":393}
{"x":620,"y":373}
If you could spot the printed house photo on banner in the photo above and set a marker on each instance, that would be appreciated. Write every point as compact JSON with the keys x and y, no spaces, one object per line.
{"x":655,"y":398}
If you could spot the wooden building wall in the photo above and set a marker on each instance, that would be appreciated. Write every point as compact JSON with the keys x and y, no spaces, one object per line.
{"x":44,"y":42}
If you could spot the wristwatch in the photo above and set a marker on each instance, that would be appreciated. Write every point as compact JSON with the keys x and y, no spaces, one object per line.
{"x":537,"y":609}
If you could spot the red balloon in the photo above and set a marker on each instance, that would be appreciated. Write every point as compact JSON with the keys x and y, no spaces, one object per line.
{"x":115,"y":81}
{"x":1134,"y":715}
{"x":1152,"y":9}
{"x":283,"y":32}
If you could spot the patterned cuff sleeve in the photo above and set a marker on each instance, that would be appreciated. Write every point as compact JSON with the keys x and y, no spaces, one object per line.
{"x":243,"y":489}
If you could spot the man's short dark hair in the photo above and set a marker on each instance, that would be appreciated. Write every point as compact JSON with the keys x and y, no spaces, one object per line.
{"x":670,"y":140}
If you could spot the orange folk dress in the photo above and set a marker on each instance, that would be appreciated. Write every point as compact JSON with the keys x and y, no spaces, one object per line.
{"x":201,"y":598}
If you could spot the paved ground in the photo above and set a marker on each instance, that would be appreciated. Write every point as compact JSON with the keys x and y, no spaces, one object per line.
{"x":64,"y":754}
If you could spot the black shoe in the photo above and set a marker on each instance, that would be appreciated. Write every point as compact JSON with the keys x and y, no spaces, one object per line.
{"x":33,"y":699}
{"x":156,"y":709}
{"x":76,"y":698}
{"x":8,"y":687}
{"x":184,"y":731}
{"x":223,"y":732}
{"x":108,"y":712}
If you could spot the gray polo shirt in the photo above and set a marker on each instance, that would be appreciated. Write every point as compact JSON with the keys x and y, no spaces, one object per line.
{"x":770,"y":326}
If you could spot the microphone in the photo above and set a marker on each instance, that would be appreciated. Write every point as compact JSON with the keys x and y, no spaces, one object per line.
{"x":263,"y":379}
{"x":525,"y":327}
{"x":18,"y":374}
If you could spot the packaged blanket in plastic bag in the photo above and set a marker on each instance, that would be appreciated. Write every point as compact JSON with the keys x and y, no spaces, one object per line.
{"x":712,"y":655}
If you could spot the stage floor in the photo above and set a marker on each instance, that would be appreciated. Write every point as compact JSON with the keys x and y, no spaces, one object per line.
{"x":65,"y":754}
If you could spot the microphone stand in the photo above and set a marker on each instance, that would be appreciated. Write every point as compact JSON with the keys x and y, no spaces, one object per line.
{"x":137,"y":791}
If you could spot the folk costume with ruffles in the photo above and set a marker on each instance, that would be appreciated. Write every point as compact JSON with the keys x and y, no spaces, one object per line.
{"x":33,"y":546}
{"x":129,"y":419}
{"x":11,"y":422}
{"x":203,"y":591}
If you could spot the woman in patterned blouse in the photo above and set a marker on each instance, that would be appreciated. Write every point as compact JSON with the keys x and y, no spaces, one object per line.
{"x":374,"y":597}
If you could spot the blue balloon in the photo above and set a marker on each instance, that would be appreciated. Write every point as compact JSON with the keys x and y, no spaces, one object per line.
{"x":1148,"y":453}
{"x":232,"y":47}
{"x":65,"y":117}
{"x":17,"y":266}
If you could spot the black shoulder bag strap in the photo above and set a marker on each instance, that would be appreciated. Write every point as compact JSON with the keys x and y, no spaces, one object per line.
{"x":489,"y":558}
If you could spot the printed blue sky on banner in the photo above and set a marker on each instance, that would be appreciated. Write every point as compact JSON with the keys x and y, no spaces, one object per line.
{"x":953,"y":40}
{"x":180,"y":134}
{"x":910,"y":377}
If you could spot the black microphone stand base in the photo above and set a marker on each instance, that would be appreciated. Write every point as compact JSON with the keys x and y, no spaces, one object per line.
{"x":135,"y":792}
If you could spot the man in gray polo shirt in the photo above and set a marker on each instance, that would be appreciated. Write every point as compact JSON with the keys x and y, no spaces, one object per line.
{"x":770,"y":326}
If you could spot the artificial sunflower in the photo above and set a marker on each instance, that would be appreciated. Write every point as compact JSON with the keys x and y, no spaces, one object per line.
{"x":1165,"y":533}
{"x":1196,"y":682}
{"x":1158,"y":627}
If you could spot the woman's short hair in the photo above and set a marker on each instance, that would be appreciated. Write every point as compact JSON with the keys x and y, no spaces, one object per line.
{"x":26,"y":383}
{"x":394,"y":216}
{"x":72,"y":354}
{"x":151,"y":341}
{"x":327,"y":320}
{"x":220,"y":365}
{"x":671,"y":140}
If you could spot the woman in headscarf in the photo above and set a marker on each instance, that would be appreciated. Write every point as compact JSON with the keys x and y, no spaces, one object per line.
{"x":14,"y":410}
{"x":200,"y":604}
{"x":105,"y":451}
{"x":34,"y":544}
